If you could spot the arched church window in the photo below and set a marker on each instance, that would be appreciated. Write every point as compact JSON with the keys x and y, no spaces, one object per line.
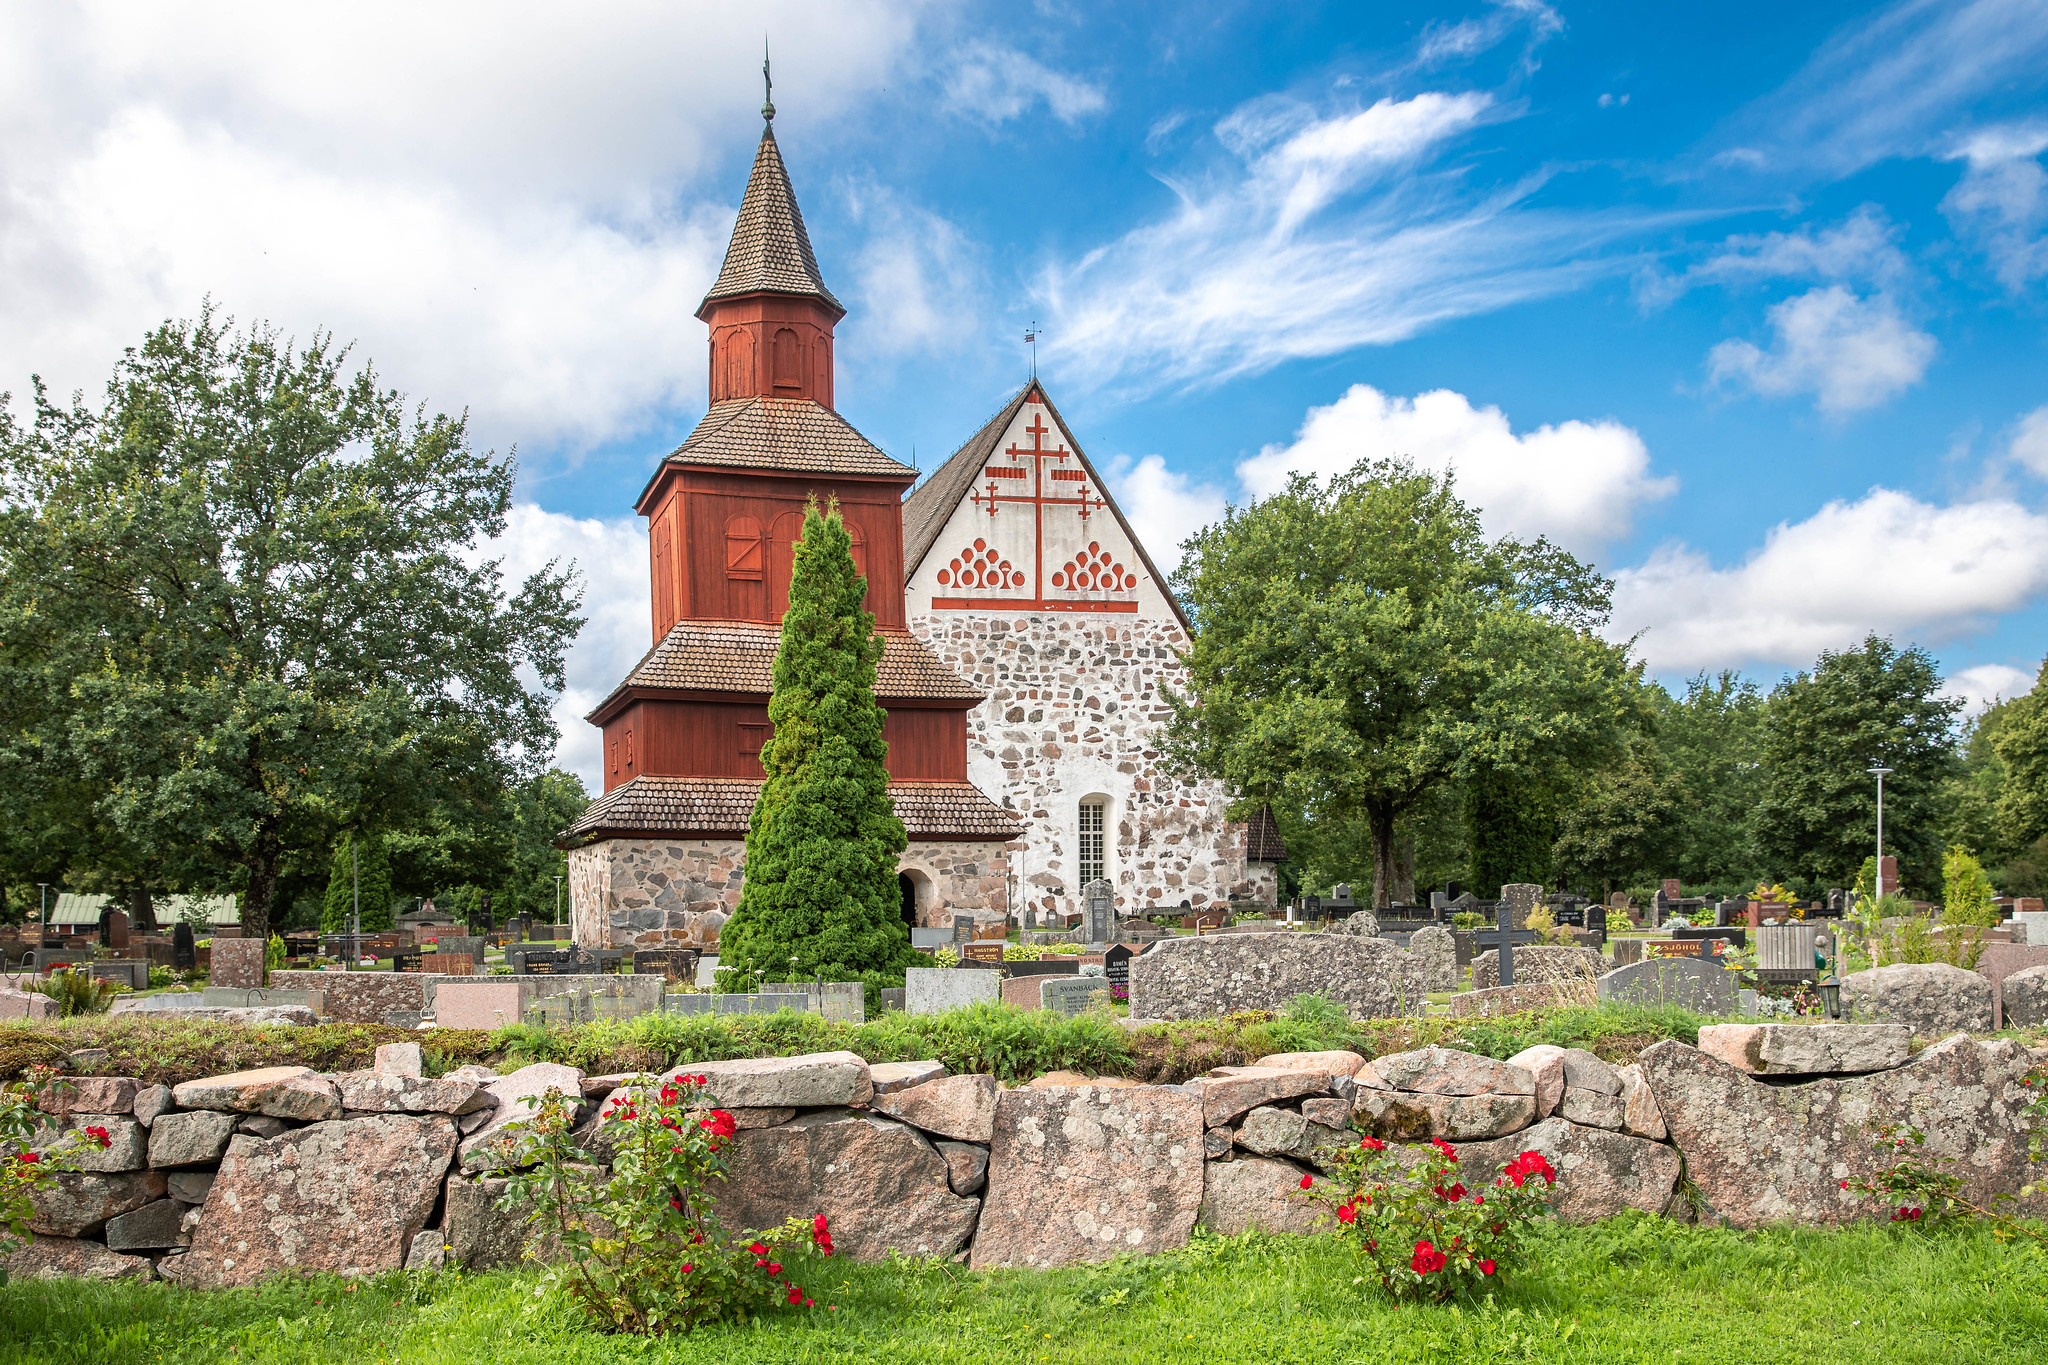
{"x":746,"y":553}
{"x":788,"y":360}
{"x":739,"y":364}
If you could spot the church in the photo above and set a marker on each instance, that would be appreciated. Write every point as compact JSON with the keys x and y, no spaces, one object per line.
{"x":1027,"y":637}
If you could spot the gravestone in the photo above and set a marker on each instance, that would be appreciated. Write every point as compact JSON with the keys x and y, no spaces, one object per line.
{"x":1116,"y":968}
{"x":1596,"y":919}
{"x":677,"y":964}
{"x":1072,"y":994}
{"x":1508,"y":922}
{"x":1700,"y":985}
{"x":458,"y":943}
{"x":114,"y":930}
{"x":963,"y":931}
{"x":1098,"y":912}
{"x":183,"y":954}
{"x":237,"y":962}
{"x":1519,"y":898}
{"x":1627,"y":950}
{"x":1438,"y":901}
{"x":892,"y":998}
{"x":408,"y":962}
{"x":931,"y":990}
{"x":990,"y":951}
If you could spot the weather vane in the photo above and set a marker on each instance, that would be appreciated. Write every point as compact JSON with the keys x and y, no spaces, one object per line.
{"x":767,"y":85}
{"x":1031,"y":340}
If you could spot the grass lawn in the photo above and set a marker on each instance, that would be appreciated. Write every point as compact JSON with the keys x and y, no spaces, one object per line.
{"x":1635,"y":1289}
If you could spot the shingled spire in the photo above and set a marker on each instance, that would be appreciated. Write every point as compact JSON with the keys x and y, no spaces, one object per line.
{"x":770,"y":251}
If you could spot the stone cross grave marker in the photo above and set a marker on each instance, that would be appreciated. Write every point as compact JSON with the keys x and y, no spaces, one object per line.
{"x":1073,"y":994}
{"x":1702,"y":985}
{"x":1098,"y":912}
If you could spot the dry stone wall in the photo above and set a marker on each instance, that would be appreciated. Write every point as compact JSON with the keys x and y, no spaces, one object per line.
{"x":258,"y":1173}
{"x":1075,"y":710}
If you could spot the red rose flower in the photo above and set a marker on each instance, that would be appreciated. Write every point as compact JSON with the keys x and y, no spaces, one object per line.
{"x":1486,"y":1267}
{"x":1449,"y":1151}
{"x":819,"y":1225}
{"x":100,"y":1136}
{"x":29,"y":1158}
{"x":757,"y":1248}
{"x":1347,"y":1213}
{"x":1373,"y":1144}
{"x":688,"y":1267}
{"x":1427,"y":1260}
{"x":1307,"y":1181}
{"x":796,"y":1295}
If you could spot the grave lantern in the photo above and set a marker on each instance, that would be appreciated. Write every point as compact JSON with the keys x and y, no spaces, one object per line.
{"x":1830,"y":985}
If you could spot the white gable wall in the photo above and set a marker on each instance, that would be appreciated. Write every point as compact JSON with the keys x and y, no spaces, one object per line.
{"x":1074,"y":706}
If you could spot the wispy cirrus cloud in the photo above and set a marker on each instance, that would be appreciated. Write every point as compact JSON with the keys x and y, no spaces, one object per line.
{"x":995,"y":83}
{"x":1889,"y":85}
{"x":1862,"y":249}
{"x":1330,"y":229}
{"x":2001,"y":203}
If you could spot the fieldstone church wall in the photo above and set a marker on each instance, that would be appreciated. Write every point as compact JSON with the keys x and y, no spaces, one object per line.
{"x":1074,"y":710}
{"x":644,"y":892}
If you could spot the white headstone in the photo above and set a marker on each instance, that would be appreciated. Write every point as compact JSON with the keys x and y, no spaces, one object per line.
{"x":933,"y":990}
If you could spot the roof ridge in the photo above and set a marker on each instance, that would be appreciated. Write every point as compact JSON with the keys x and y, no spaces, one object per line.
{"x":934,"y":500}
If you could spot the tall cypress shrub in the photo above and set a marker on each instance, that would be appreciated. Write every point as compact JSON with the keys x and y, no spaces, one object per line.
{"x":820,"y":896}
{"x":374,"y":875}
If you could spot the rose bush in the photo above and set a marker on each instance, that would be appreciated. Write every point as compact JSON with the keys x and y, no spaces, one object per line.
{"x":25,"y":1167}
{"x":1426,"y":1235}
{"x":642,"y":1251}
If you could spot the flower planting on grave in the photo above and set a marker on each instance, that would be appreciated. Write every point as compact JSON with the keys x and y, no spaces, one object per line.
{"x":642,"y":1252}
{"x":1426,"y":1234}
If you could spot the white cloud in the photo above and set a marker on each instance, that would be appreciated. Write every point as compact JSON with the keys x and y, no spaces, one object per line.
{"x":1862,"y":249}
{"x":2001,"y":202}
{"x":917,"y":275}
{"x":1888,"y":563}
{"x":995,"y":83}
{"x":1330,"y":231}
{"x":1850,"y":352}
{"x":612,"y":557}
{"x":1890,"y":85}
{"x":1163,"y":507}
{"x":1981,"y":685}
{"x":486,"y":196}
{"x":1576,"y":482}
{"x":1443,"y":42}
{"x":2030,"y":441}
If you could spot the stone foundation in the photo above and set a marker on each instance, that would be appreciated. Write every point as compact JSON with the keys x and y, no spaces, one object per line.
{"x":644,"y":893}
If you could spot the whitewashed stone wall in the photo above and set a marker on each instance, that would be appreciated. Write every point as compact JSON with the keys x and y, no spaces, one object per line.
{"x":1074,"y":710}
{"x":643,"y":892}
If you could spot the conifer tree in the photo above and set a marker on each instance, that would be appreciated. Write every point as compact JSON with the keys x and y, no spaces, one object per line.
{"x":821,"y":895}
{"x":372,"y":873}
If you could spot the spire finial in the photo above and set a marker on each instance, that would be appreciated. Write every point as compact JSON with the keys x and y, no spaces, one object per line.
{"x":768,"y":86}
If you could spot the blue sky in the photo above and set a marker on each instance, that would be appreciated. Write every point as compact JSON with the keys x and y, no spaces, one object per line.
{"x":1744,"y":303}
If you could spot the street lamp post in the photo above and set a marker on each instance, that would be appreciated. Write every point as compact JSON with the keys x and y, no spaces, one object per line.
{"x":1880,"y":771}
{"x":42,"y":914}
{"x":355,"y":925}
{"x":558,"y":900}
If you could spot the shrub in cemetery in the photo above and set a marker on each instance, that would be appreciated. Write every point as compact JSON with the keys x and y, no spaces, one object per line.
{"x":1966,"y":894}
{"x":25,"y":1168}
{"x":359,"y":869}
{"x":642,"y":1251}
{"x":77,"y":991}
{"x":821,"y":897}
{"x":1425,"y":1234}
{"x":1924,"y":1192}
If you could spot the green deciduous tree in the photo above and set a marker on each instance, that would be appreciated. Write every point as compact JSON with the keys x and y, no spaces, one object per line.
{"x":821,"y":893}
{"x":360,"y":868}
{"x":248,"y":590}
{"x":2020,"y":742}
{"x":1359,"y":644}
{"x":1816,"y":816}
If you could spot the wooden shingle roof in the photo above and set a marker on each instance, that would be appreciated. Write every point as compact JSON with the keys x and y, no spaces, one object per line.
{"x":655,"y":807}
{"x":739,"y":656}
{"x":799,"y":435}
{"x":770,"y":251}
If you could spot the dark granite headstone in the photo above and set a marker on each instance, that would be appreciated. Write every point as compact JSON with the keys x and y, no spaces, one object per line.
{"x":184,"y":956}
{"x":1116,"y":966}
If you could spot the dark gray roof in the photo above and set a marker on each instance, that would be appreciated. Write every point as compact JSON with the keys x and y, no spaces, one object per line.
{"x":655,"y":806}
{"x":796,"y":434}
{"x":930,"y":505}
{"x":770,"y":252}
{"x":1262,"y":838}
{"x":739,"y":656}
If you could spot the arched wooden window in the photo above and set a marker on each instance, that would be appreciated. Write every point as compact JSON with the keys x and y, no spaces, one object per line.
{"x":739,"y":364}
{"x":746,"y":554}
{"x":789,"y":371}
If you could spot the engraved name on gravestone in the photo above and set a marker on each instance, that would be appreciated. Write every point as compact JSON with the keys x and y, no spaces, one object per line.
{"x":1116,"y":966}
{"x":183,"y":954}
{"x":1098,"y":912}
{"x":1073,"y":994}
